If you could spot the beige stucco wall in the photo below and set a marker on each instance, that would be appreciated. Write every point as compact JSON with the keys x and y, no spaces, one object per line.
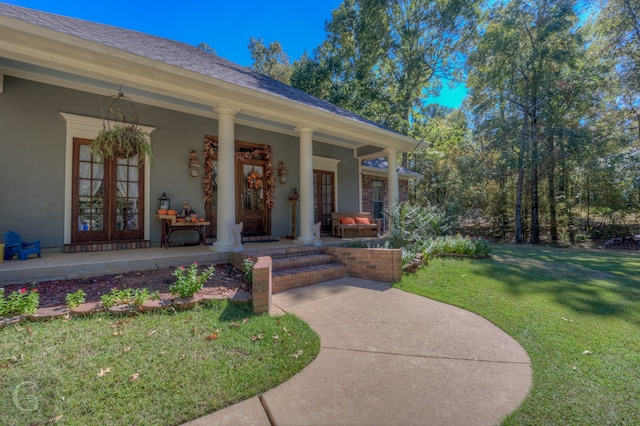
{"x":32,"y":159}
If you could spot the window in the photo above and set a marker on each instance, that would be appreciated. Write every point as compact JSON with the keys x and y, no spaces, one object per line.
{"x":378,"y":199}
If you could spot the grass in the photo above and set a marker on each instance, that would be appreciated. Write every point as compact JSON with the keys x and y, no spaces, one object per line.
{"x":160,"y":368}
{"x":576,"y":313}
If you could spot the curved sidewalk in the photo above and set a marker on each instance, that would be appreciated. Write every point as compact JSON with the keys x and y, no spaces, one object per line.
{"x":390,"y":358}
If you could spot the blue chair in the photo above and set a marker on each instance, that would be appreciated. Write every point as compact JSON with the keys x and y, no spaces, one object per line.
{"x":14,"y":245}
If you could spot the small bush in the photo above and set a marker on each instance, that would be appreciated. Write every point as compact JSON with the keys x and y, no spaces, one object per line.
{"x":188,"y":280}
{"x":127,"y":296}
{"x":470,"y":246}
{"x":76,"y":298}
{"x":21,"y":302}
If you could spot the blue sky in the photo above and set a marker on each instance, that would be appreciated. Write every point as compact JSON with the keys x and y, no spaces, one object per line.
{"x":224,"y":25}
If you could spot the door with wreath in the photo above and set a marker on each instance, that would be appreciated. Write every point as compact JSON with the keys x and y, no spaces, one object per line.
{"x":251,"y":208}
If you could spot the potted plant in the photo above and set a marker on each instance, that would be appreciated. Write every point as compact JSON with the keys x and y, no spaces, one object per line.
{"x":120,"y":136}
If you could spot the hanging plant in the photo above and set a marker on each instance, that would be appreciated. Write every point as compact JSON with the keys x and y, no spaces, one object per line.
{"x":120,"y":136}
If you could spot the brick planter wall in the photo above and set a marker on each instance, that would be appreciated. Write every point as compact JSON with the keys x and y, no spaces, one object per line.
{"x":370,"y":263}
{"x":261,"y":285}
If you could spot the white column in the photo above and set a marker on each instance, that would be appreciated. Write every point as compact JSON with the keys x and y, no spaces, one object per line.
{"x":226,"y":181}
{"x":306,"y":187}
{"x":392,"y":179}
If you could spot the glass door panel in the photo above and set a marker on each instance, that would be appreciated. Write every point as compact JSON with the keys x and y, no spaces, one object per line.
{"x":107,"y":197}
{"x":251,"y":206}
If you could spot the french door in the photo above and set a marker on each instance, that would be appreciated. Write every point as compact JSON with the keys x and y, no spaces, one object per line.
{"x":323,"y":199}
{"x":107,"y":197}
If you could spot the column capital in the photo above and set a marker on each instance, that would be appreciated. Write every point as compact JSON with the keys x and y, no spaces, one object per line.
{"x":224,"y":110}
{"x":305,"y":129}
{"x":391,"y":151}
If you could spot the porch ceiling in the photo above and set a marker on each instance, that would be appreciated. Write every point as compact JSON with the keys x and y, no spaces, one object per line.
{"x":40,"y":54}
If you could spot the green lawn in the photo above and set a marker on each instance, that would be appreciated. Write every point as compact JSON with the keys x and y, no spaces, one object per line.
{"x":162,"y":368}
{"x":576,"y":313}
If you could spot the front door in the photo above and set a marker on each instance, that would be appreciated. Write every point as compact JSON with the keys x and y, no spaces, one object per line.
{"x":323,"y":200}
{"x":106,"y":197}
{"x":251,"y":208}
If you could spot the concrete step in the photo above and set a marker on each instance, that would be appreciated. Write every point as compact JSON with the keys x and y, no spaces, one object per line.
{"x":299,"y":277}
{"x":293,"y":262}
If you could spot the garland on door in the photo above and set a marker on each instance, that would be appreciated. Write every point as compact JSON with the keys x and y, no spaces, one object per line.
{"x":262,"y":153}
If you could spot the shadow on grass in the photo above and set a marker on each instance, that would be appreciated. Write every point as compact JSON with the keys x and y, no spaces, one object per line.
{"x":598,"y":283}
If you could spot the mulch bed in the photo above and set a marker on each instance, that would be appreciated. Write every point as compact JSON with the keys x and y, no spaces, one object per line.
{"x":226,"y":281}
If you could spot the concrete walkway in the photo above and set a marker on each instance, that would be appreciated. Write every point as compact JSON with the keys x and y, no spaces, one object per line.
{"x":390,"y":358}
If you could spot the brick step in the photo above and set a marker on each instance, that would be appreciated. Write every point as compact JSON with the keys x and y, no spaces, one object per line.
{"x":301,"y":277}
{"x":281,"y":253}
{"x":293,"y":262}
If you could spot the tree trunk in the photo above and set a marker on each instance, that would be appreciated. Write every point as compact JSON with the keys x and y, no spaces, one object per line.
{"x":551,"y":177}
{"x":519,"y":185}
{"x":535,"y":223}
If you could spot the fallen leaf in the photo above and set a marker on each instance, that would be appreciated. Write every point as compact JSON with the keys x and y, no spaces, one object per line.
{"x":275,"y":336}
{"x":296,"y":355}
{"x":127,"y":349}
{"x":29,"y":331}
{"x":182,"y":357}
{"x":55,"y":419}
{"x":163,"y":353}
{"x":212,"y":336}
{"x":117,"y":333}
{"x":103,"y":372}
{"x":574,"y":367}
{"x":285,"y":329}
{"x":244,"y":320}
{"x":258,"y":337}
{"x":586,"y":352}
{"x":152,"y":332}
{"x":235,"y":324}
{"x":134,"y":377}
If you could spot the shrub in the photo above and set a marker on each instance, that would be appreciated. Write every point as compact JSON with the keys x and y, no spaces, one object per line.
{"x":189,"y":281}
{"x":76,"y":298}
{"x":470,"y":246}
{"x":247,"y":269}
{"x":21,"y":302}
{"x":127,"y":296}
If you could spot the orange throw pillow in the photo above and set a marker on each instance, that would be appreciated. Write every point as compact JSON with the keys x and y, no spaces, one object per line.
{"x":362,"y":220}
{"x":347,"y":221}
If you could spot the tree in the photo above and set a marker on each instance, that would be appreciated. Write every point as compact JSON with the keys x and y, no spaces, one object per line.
{"x":270,"y":60}
{"x":517,"y":61}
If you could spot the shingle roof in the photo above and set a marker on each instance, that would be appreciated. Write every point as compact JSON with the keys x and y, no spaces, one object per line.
{"x":177,"y":54}
{"x":382,"y":164}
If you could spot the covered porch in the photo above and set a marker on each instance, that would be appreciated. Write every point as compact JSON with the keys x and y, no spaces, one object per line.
{"x":62,"y":266}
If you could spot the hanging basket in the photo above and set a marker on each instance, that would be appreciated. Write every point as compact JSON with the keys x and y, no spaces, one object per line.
{"x":120,"y":136}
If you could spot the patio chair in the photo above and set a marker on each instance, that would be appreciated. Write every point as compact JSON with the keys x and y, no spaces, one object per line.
{"x":14,"y":245}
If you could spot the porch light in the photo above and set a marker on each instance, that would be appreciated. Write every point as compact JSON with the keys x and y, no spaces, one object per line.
{"x":282,"y":172}
{"x":194,"y":164}
{"x":163,"y":202}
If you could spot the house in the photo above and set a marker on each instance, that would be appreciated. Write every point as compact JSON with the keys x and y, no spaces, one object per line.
{"x":375,"y":194}
{"x":58,"y":79}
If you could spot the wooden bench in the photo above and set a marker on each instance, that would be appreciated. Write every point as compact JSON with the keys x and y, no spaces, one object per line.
{"x":339,"y":228}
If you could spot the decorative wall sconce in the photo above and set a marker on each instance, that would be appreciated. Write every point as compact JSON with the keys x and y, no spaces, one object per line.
{"x":282,"y":172}
{"x":194,"y":164}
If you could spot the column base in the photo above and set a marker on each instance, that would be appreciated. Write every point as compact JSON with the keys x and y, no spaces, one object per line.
{"x":225,"y":247}
{"x":303,"y":241}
